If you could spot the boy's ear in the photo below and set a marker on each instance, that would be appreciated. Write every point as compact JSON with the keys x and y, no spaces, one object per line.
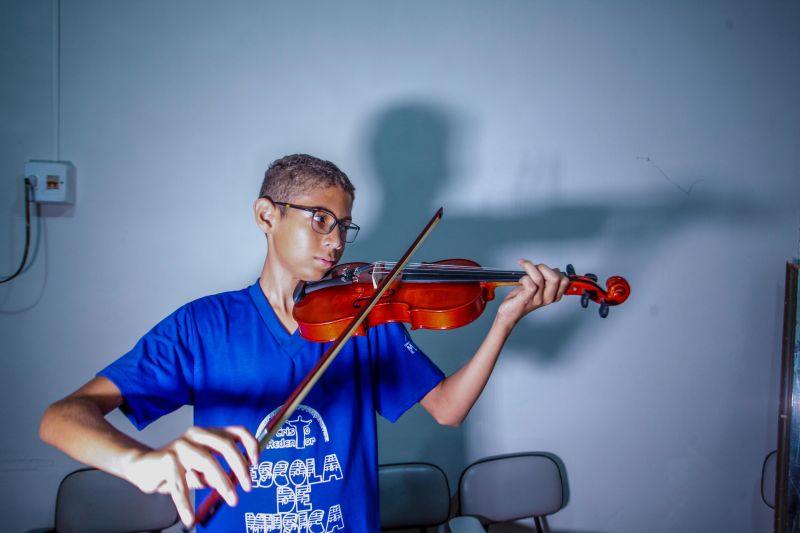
{"x":266,"y":214}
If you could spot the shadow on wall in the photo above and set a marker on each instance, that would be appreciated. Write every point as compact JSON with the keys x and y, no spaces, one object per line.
{"x":410,"y":149}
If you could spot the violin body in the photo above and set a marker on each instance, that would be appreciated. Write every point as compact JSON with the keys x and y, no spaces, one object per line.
{"x":441,"y":295}
{"x":323,"y":313}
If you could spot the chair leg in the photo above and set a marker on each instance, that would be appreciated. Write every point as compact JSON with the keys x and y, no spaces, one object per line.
{"x":538,"y":524}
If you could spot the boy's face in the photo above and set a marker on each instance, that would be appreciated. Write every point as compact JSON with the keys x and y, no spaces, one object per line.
{"x":303,"y":252}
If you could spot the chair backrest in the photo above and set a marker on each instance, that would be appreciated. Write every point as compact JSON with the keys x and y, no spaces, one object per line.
{"x":92,"y":501}
{"x":769,"y":472}
{"x":511,"y":487}
{"x":465,"y":524}
{"x":413,"y":495}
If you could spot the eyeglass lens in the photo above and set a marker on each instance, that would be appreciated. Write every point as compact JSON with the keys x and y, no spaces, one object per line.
{"x":325,"y":222}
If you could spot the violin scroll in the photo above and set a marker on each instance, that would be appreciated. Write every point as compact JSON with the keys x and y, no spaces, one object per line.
{"x":616,"y":292}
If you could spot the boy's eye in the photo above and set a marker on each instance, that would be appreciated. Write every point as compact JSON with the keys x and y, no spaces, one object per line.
{"x":322,"y":220}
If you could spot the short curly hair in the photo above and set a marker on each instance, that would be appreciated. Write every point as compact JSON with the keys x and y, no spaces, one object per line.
{"x":289,"y":177}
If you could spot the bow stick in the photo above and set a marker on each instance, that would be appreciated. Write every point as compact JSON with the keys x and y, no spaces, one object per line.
{"x":212,"y":503}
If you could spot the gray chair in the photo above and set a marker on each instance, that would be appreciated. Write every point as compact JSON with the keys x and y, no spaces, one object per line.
{"x":413,"y":496}
{"x":92,"y":501}
{"x":497,"y":491}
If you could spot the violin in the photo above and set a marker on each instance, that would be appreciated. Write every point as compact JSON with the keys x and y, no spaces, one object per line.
{"x":440,"y":295}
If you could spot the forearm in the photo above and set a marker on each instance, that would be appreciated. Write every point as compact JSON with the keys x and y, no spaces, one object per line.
{"x":77,"y":426}
{"x":453,"y":398}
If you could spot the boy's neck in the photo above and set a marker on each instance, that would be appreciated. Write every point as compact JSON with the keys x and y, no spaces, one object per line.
{"x":279,"y":291}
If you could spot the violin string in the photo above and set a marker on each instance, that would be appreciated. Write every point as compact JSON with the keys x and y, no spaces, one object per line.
{"x":465,"y":273}
{"x":455,"y":268}
{"x":492,"y":273}
{"x":445,"y":269}
{"x":445,"y":266}
{"x":436,"y":267}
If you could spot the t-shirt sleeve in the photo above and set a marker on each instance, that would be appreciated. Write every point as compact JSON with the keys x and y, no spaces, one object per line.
{"x":156,"y":376}
{"x":404,"y":373}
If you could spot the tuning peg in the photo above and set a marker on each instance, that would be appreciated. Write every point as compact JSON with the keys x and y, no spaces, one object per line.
{"x":604,"y":309}
{"x":570,"y":270}
{"x":592,"y":277}
{"x":585,"y":299}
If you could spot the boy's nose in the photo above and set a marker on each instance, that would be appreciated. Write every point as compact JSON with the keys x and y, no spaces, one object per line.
{"x":334,"y":239}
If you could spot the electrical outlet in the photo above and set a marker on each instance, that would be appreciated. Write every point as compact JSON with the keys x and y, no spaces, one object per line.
{"x":53,"y":181}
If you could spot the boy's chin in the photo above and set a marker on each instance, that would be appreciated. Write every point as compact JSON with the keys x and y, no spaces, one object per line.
{"x":316,"y":271}
{"x":317,"y":275}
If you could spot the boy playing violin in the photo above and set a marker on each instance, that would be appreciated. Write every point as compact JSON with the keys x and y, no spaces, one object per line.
{"x":236,"y":357}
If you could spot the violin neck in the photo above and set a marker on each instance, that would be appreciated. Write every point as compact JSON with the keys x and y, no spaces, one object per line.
{"x":425,"y":274}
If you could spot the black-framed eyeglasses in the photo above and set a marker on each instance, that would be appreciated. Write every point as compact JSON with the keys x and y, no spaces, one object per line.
{"x":323,"y":221}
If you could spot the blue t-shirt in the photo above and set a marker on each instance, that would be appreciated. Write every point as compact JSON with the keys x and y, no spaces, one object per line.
{"x":230,"y":357}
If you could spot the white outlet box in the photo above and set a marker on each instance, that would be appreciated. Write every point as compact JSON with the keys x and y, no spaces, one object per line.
{"x":53,"y":181}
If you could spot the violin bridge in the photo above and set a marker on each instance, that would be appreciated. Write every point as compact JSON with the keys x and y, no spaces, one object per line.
{"x":375,"y":279}
{"x":380,"y":269}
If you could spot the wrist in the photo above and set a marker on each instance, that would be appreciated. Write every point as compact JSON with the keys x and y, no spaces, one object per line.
{"x":503,"y":324}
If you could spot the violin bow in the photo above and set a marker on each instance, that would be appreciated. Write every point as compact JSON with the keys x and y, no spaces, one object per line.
{"x":212,"y":503}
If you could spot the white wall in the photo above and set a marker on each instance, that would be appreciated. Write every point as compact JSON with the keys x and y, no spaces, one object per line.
{"x":657,"y":141}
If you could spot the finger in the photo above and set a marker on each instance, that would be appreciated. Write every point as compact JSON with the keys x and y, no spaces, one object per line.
{"x":193,"y":480}
{"x":562,"y":283}
{"x":248,"y":441}
{"x":222,"y":444}
{"x":562,"y":286}
{"x":532,"y":272}
{"x":552,"y":281}
{"x":530,"y":292}
{"x":200,"y":459}
{"x":180,"y":493}
{"x":528,"y":286}
{"x":537,"y":279}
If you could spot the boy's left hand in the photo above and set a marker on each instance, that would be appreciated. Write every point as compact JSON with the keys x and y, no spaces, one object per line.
{"x":541,"y":286}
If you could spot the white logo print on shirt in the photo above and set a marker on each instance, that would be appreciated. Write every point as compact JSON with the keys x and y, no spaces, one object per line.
{"x":293,"y":482}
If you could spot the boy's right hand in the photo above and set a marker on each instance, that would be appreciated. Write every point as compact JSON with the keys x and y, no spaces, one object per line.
{"x":188,"y":462}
